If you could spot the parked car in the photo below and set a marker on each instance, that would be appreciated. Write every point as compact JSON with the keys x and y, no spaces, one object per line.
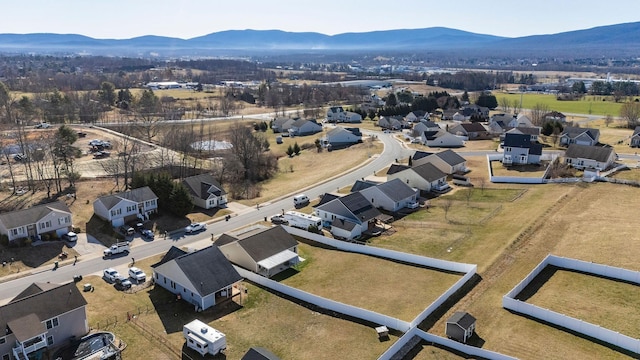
{"x":413,"y":205}
{"x":127,"y":230}
{"x":147,"y":234}
{"x":95,"y":142}
{"x":82,"y":134}
{"x":139,"y":227}
{"x":70,"y":236}
{"x":278,"y":219}
{"x":43,"y":125}
{"x":122,"y":283}
{"x":195,"y":227}
{"x":110,"y":275}
{"x":101,"y":154}
{"x":138,"y":275}
{"x":19,"y":157}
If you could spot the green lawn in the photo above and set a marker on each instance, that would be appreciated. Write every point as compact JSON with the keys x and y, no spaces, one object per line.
{"x":587,"y":105}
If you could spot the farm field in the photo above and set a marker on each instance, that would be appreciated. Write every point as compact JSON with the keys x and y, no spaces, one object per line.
{"x":588,"y":105}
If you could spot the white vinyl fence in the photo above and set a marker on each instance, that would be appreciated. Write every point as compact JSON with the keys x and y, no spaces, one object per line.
{"x":579,"y":326}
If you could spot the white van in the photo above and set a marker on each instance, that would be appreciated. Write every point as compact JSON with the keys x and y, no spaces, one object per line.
{"x":300,"y":200}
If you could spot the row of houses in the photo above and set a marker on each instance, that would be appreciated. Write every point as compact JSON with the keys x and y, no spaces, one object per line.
{"x":55,"y":219}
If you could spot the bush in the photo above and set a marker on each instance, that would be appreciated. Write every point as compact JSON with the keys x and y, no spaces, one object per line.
{"x":4,"y":240}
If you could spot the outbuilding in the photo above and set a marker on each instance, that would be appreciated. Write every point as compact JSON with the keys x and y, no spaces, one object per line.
{"x":460,"y":326}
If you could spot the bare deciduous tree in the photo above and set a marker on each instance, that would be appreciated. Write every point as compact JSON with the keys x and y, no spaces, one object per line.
{"x":537,"y":113}
{"x":630,"y":112}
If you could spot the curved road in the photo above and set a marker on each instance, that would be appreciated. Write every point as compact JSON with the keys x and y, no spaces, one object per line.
{"x":393,"y":149}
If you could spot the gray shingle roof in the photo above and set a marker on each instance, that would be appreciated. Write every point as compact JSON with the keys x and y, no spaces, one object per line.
{"x":420,"y":154}
{"x":39,"y":302}
{"x":463,"y":319}
{"x":31,"y":215}
{"x":450,"y":157}
{"x":396,"y":189}
{"x":204,"y":271}
{"x":343,"y":224}
{"x":597,"y":153}
{"x":429,"y":172}
{"x":362,"y":184}
{"x":263,"y":244}
{"x":137,"y":195}
{"x":574,"y":132}
{"x":396,"y":168}
{"x":259,"y":353}
{"x":473,"y":127}
{"x":202,"y":185}
{"x":636,"y":131}
{"x":353,"y":206}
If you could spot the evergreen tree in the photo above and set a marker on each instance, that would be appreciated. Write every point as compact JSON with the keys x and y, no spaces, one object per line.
{"x":296,"y":149}
{"x":180,"y":200}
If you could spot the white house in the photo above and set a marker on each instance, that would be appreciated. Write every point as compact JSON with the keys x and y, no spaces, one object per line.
{"x":202,"y":278}
{"x":205,"y":191}
{"x":127,"y":206}
{"x":336,"y":114}
{"x":441,"y":138}
{"x":303,"y":127}
{"x":589,"y":157}
{"x":354,"y":208}
{"x":416,"y":116}
{"x":340,"y":137}
{"x":471,"y":130}
{"x":282,"y":125}
{"x":534,"y":132}
{"x":391,"y":196}
{"x":581,"y":136}
{"x":265,"y":251}
{"x":520,"y":121}
{"x":425,"y":177}
{"x":518,"y":149}
{"x":448,"y":161}
{"x":53,"y":218}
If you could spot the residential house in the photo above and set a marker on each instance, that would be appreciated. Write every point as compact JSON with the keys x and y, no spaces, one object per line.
{"x":128,"y":206}
{"x":506,"y":118}
{"x":362,"y":184}
{"x":422,"y":126}
{"x":340,"y":137}
{"x":635,"y":138}
{"x":460,"y":326}
{"x":448,"y":161}
{"x":518,"y":149}
{"x":205,"y":191}
{"x":589,"y":157}
{"x":49,"y":219}
{"x":472,"y":131}
{"x":441,"y":138}
{"x":353,"y":208}
{"x":391,"y":196}
{"x":460,"y":117}
{"x":42,"y":317}
{"x":265,"y":251}
{"x":447,"y":114}
{"x":555,"y":115}
{"x":202,"y":278}
{"x":392,"y":122}
{"x":581,"y":136}
{"x":282,"y":125}
{"x":520,"y":121}
{"x":476,"y":112}
{"x":336,"y":114}
{"x":302,"y":127}
{"x":425,"y":177}
{"x":416,"y":116}
{"x":534,"y":132}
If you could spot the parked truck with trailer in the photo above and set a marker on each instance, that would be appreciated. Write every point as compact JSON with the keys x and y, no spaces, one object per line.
{"x":302,"y":220}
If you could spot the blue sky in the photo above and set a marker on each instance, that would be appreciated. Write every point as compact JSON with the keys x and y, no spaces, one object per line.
{"x":120,"y":19}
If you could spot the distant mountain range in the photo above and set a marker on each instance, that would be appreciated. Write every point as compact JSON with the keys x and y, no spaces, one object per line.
{"x":599,"y":41}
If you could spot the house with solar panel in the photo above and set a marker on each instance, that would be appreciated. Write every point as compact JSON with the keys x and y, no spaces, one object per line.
{"x":205,"y":191}
{"x":265,"y":251}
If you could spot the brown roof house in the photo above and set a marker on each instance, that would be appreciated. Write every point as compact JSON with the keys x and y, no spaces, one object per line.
{"x":460,"y":326}
{"x":265,"y":251}
{"x":42,"y":317}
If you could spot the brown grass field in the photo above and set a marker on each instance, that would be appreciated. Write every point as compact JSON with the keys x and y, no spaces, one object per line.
{"x":349,"y":278}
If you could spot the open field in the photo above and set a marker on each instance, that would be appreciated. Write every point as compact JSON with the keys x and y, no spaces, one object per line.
{"x":398,"y":290}
{"x":588,"y":105}
{"x":259,"y":318}
{"x":556,"y":221}
{"x":584,"y":297}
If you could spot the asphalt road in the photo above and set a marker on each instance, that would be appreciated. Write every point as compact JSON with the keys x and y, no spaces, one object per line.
{"x":393,"y":149}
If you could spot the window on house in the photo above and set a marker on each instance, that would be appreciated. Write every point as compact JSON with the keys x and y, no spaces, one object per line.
{"x":6,"y":357}
{"x":49,"y":340}
{"x":51,"y":323}
{"x":14,"y":231}
{"x":3,"y":340}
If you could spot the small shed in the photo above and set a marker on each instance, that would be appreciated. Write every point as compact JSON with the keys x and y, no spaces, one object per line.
{"x":203,"y":338}
{"x":460,"y":326}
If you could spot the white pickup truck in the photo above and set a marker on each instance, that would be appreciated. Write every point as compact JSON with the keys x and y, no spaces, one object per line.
{"x":118,"y":248}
